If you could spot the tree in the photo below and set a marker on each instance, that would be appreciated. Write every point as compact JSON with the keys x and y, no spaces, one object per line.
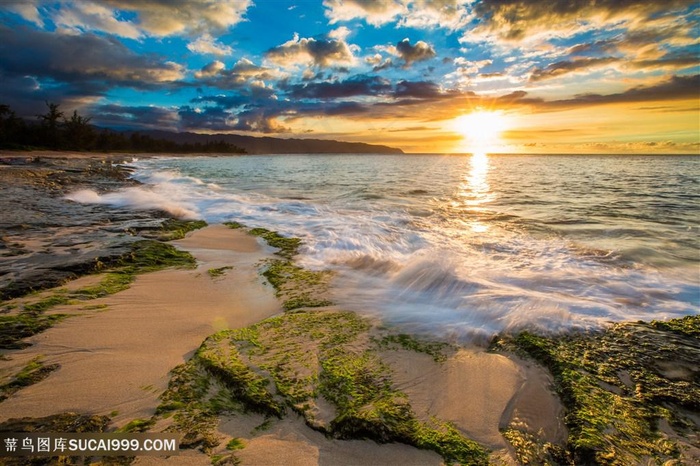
{"x":49,"y":123}
{"x":78,"y":132}
{"x":10,"y":126}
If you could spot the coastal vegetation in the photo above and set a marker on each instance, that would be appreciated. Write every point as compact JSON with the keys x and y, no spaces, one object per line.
{"x":54,"y":131}
{"x":296,"y":286}
{"x":291,"y":361}
{"x":630,"y":392}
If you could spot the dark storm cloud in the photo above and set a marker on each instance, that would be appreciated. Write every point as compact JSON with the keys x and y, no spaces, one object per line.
{"x":413,"y":53}
{"x":36,"y":66}
{"x":211,"y":118}
{"x":136,"y":117}
{"x":85,"y":58}
{"x":561,"y":68}
{"x":355,"y":86}
{"x":418,"y":89}
{"x":676,"y":88}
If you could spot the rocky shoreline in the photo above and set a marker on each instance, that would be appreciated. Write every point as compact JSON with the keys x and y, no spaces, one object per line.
{"x":46,"y":239}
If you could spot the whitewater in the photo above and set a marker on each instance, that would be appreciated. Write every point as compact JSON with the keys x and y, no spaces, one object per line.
{"x":461,"y":247}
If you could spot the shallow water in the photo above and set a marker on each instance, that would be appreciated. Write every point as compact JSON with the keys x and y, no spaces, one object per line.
{"x":463,"y":246}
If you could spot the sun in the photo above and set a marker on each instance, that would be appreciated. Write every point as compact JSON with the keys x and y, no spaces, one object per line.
{"x":482,"y":129}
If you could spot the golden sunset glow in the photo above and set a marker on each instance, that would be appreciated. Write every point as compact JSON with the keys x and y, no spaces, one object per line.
{"x":481,"y":129}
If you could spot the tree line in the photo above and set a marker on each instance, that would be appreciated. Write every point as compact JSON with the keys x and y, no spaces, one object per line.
{"x":54,"y":131}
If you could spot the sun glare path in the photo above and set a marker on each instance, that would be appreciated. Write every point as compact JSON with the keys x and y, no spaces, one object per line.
{"x":482,"y":129}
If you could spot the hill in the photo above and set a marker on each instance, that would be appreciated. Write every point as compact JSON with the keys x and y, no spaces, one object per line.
{"x":269,"y":145}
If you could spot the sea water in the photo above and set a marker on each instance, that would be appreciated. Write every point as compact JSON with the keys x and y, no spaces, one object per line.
{"x":462,"y":246}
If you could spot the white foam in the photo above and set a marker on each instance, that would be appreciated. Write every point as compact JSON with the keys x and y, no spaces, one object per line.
{"x":444,"y":274}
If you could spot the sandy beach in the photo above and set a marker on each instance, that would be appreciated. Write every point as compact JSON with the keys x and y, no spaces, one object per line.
{"x":116,"y":361}
{"x":122,"y":355}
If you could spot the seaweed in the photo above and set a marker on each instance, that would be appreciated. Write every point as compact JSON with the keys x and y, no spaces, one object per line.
{"x":35,"y":371}
{"x":616,"y":389}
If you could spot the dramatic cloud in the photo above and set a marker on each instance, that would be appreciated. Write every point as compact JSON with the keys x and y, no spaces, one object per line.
{"x":93,"y":16}
{"x":421,"y":14}
{"x":413,"y":53}
{"x":676,"y":88}
{"x":519,"y":20}
{"x":206,"y":44}
{"x":145,"y":17}
{"x":320,"y":52}
{"x":243,"y":73}
{"x":168,"y":17}
{"x":430,"y":14}
{"x":565,"y":67}
{"x":357,"y":86}
{"x":137,"y":117}
{"x":373,"y":12}
{"x":86,"y":59}
{"x":421,"y":90}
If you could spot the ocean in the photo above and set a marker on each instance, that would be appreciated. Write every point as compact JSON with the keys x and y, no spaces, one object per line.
{"x":462,"y":247}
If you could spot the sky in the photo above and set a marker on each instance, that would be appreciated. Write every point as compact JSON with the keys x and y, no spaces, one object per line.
{"x":518,"y":76}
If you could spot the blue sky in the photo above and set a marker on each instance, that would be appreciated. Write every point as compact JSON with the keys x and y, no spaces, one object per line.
{"x":560,"y":76}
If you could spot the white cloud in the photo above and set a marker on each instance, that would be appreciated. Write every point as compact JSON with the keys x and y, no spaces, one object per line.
{"x":206,"y":44}
{"x":28,"y":10}
{"x":373,"y":12}
{"x":312,"y":52}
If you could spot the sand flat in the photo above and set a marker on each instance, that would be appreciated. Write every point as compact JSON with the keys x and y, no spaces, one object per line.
{"x":119,"y":359}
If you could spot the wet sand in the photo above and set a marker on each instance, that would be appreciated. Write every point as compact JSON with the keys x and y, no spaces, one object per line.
{"x":116,"y":362}
{"x":118,"y":359}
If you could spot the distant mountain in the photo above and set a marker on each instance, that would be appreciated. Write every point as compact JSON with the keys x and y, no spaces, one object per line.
{"x":267,"y":145}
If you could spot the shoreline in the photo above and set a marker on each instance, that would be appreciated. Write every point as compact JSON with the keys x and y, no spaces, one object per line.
{"x":494,"y":397}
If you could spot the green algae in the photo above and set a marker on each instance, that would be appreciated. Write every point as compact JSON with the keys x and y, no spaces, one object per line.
{"x":298,"y":287}
{"x":618,"y":384}
{"x":145,"y":256}
{"x":47,"y":303}
{"x":294,"y":359}
{"x":137,"y":425}
{"x":35,"y":371}
{"x":435,"y":349}
{"x":15,"y":328}
{"x":235,"y":444}
{"x":234,"y":225}
{"x":531,"y":449}
{"x":219,"y":271}
{"x":288,"y":247}
{"x":174,"y":229}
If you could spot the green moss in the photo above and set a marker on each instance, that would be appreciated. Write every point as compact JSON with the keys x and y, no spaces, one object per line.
{"x":288,"y":247}
{"x":296,"y":286}
{"x":446,"y":440}
{"x":219,"y":271}
{"x":173,"y":229}
{"x":411,"y":343}
{"x":530,"y":449}
{"x":150,"y":256}
{"x":688,"y":325}
{"x":145,"y":256}
{"x":15,"y":328}
{"x":111,"y":283}
{"x":234,"y":225}
{"x":235,"y":444}
{"x":224,"y":363}
{"x":138,"y":425}
{"x":46,"y":303}
{"x":308,"y":354}
{"x":35,"y":371}
{"x":615,"y":388}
